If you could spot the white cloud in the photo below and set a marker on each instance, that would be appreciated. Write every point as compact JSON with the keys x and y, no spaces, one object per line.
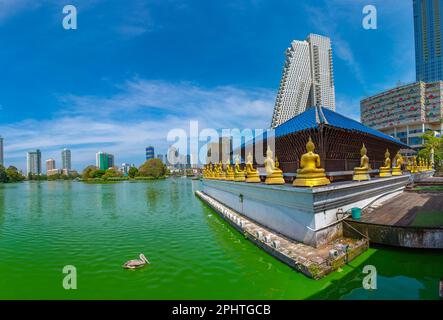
{"x":141,"y":113}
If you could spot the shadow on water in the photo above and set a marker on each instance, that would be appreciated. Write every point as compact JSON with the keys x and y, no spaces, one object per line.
{"x":401,"y":274}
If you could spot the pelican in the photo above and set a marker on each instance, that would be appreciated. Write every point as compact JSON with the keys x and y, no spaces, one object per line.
{"x":134,"y":264}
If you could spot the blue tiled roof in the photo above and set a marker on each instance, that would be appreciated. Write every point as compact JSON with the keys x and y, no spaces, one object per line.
{"x":311,"y":119}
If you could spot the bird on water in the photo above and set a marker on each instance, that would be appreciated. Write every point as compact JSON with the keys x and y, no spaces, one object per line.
{"x":136,"y":263}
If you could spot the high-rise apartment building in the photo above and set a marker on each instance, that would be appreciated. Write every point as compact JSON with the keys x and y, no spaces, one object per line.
{"x":406,"y":112}
{"x":34,"y":162}
{"x":1,"y":152}
{"x":50,"y":164}
{"x":428,"y":29}
{"x":103,"y":160}
{"x":307,"y":79}
{"x":150,"y":153}
{"x":66,"y":159}
{"x":50,"y":168}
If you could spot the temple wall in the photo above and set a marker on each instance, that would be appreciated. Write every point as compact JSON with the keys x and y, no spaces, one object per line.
{"x":302,"y":214}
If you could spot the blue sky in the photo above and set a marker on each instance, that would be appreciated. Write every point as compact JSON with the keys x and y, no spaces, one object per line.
{"x":133,"y":70}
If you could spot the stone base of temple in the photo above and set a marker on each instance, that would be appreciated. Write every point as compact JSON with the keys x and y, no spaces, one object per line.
{"x":314,"y":263}
{"x":306,"y":215}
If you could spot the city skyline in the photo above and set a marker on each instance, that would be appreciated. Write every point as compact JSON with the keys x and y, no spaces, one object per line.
{"x":159,"y":87}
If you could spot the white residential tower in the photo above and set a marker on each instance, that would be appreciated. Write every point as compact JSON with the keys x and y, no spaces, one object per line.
{"x":307,"y":80}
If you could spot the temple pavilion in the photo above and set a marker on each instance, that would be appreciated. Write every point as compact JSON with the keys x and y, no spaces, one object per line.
{"x":338,"y":140}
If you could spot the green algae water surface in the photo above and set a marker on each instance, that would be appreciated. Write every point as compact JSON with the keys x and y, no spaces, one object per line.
{"x":194,"y":254}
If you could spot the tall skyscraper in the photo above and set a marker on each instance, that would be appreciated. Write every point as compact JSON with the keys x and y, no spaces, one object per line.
{"x":110,"y":160}
{"x":103,"y":160}
{"x":307,"y":80}
{"x":50,"y":164}
{"x":66,"y":159}
{"x":150,"y":153}
{"x":34,"y":162}
{"x":428,"y":47}
{"x":1,"y":152}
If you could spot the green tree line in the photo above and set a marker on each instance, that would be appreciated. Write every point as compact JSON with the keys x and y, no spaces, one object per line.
{"x":11,"y":174}
{"x":151,"y":169}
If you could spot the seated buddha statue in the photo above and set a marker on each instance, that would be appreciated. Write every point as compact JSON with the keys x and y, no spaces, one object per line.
{"x":216,"y":171}
{"x":311,"y":173}
{"x":414,"y":167}
{"x":273,"y":174}
{"x":396,"y":170}
{"x":222,"y":175}
{"x":230,"y":174}
{"x":205,"y":171}
{"x":385,"y":171}
{"x":408,"y":165}
{"x":362,"y":173}
{"x":418,"y":164}
{"x":239,"y":174}
{"x":252,"y":175}
{"x":422,"y":165}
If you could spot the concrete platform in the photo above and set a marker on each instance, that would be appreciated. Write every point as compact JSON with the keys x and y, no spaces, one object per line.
{"x":308,"y":215}
{"x":313,"y":262}
{"x":411,"y":219}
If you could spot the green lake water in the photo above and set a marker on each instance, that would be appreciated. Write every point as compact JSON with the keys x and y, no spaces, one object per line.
{"x":194,"y":254}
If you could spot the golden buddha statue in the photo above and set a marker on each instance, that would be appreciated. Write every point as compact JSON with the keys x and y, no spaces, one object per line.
{"x":252,"y":175}
{"x":362,"y":173}
{"x":414,"y":167}
{"x":273,"y":174}
{"x":408,"y":165}
{"x":421,"y":166}
{"x":396,"y":170}
{"x":212,"y":171}
{"x":230,"y":174}
{"x":311,"y":173}
{"x":239,"y":174}
{"x":385,"y":171}
{"x":217,"y":172}
{"x":222,"y":175}
{"x":205,"y":171}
